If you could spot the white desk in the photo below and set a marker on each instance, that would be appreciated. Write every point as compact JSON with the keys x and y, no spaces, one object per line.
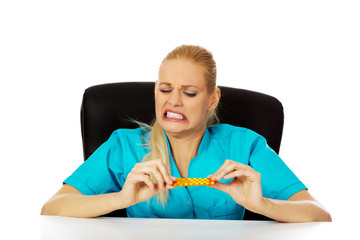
{"x":139,"y":228}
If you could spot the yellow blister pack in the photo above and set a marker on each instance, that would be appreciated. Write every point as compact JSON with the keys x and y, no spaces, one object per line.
{"x":184,"y":182}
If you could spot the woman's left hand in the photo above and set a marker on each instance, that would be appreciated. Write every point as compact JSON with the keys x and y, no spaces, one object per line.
{"x":245,"y":188}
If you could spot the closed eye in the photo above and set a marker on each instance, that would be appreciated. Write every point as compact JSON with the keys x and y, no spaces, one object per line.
{"x":190,"y":94}
{"x":165,"y":90}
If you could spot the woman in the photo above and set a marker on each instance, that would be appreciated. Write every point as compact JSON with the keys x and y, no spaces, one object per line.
{"x":135,"y":168}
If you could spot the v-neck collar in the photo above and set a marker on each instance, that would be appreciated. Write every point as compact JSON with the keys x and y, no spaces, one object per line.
{"x":202,"y":148}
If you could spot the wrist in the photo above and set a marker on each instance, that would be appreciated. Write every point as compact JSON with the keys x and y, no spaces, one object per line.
{"x":264,"y":207}
{"x":267,"y":206}
{"x":119,"y":201}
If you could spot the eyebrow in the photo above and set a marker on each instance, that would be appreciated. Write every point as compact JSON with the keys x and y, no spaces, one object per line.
{"x":182,"y":86}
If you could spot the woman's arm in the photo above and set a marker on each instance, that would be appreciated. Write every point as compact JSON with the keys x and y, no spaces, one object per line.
{"x":138,"y":187}
{"x":301,"y":207}
{"x":246,"y":190}
{"x":70,"y":202}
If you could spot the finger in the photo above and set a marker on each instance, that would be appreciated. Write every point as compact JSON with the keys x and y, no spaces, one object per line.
{"x":250,"y":175}
{"x":226,"y":168}
{"x":220,"y":186}
{"x":153,"y":171}
{"x":169,"y":186}
{"x":160,"y":166}
{"x":147,"y":181}
{"x":241,"y":169}
{"x":143,"y":178}
{"x":164,"y":172}
{"x":159,"y":178}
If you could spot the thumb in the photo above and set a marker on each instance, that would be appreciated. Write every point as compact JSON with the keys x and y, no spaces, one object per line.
{"x":220,"y":186}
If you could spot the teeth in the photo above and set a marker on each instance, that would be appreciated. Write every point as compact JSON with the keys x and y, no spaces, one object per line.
{"x":174,"y":115}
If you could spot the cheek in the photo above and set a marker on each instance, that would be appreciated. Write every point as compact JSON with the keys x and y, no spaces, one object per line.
{"x":198,"y":109}
{"x":159,"y":102}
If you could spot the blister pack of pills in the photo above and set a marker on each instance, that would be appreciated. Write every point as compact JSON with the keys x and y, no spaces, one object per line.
{"x":185,"y":182}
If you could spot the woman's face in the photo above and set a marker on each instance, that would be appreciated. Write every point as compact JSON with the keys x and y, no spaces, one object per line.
{"x":181,"y":98}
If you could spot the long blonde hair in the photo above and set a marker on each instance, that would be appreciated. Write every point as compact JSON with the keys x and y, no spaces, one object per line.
{"x":157,"y":141}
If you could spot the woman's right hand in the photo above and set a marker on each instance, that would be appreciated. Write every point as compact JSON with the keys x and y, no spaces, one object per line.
{"x":139,"y":187}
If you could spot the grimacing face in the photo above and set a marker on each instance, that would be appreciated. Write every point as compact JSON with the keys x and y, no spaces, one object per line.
{"x":182,"y":101}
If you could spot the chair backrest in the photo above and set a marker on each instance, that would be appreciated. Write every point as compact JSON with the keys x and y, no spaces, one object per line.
{"x":108,"y":107}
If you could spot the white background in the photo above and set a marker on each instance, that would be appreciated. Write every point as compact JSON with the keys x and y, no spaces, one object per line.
{"x":305,"y":53}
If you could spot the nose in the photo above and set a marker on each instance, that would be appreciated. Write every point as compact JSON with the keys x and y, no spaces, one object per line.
{"x":175,"y":98}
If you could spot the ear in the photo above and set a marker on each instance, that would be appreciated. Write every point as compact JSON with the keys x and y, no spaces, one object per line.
{"x":215,"y":98}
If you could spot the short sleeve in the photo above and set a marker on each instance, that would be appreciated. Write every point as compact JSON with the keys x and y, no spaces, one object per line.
{"x":95,"y":175}
{"x":277,"y":180}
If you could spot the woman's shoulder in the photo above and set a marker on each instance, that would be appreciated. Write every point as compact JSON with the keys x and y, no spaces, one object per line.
{"x":130,"y":134}
{"x":137,"y":131}
{"x":227,"y":130}
{"x":232,"y":136}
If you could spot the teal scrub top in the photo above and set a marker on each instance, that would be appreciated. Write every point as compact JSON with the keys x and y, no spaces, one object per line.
{"x":105,"y":171}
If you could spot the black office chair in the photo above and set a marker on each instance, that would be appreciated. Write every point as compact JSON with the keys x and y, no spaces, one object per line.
{"x":108,"y":107}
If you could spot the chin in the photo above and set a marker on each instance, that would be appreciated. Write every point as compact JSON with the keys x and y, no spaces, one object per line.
{"x":172,"y":128}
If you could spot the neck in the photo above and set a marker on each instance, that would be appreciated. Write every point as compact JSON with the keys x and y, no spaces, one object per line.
{"x":185,"y":148}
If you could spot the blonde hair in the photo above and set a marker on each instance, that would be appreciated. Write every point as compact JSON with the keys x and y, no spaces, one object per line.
{"x":157,"y":141}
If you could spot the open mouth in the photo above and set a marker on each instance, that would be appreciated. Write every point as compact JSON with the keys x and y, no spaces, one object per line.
{"x":175,"y":116}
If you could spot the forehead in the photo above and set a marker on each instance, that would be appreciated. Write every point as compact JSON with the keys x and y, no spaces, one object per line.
{"x":183,"y":72}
